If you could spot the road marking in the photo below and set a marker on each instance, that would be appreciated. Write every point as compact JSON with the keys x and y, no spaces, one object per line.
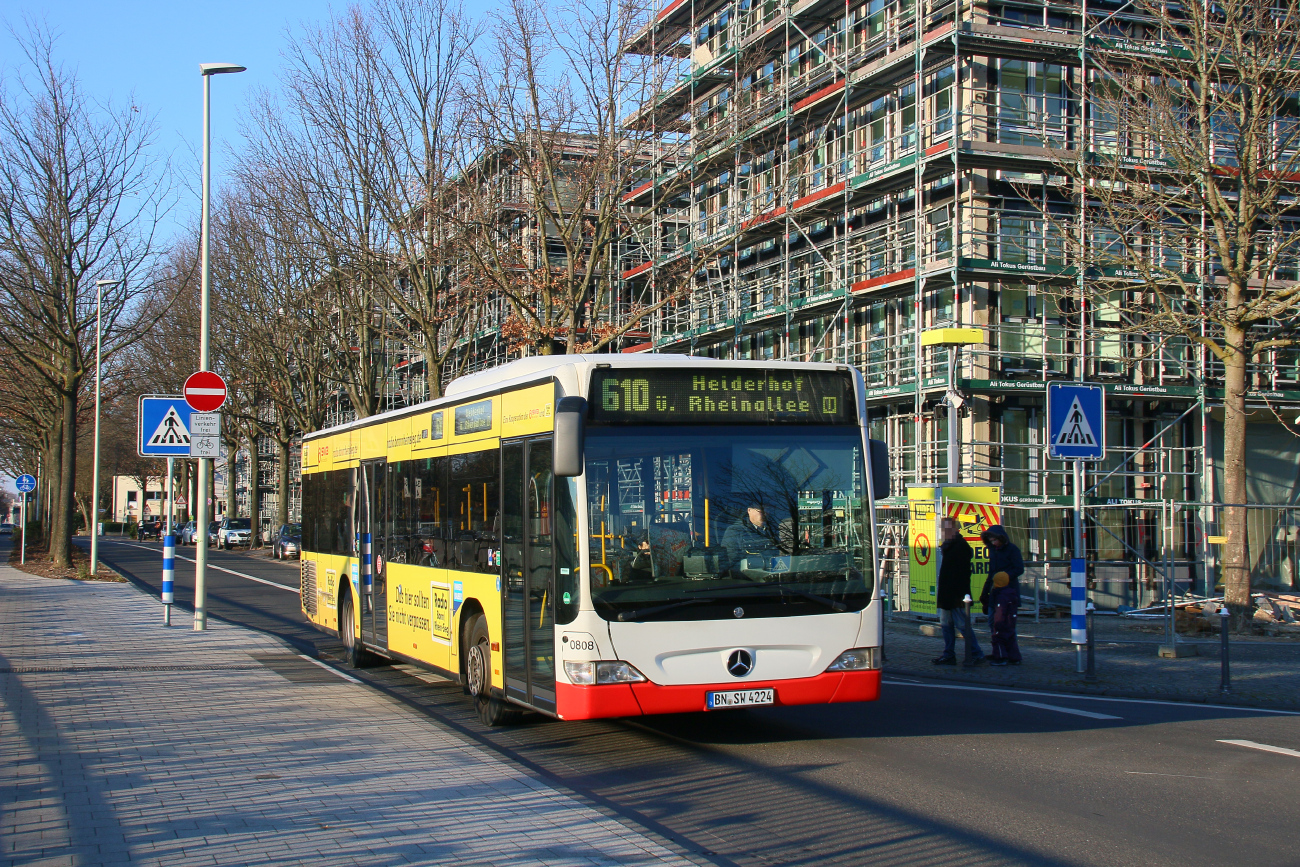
{"x":331,"y":669}
{"x":223,"y":569}
{"x":1089,"y":714}
{"x":1151,"y":701}
{"x":1184,"y":776}
{"x":1283,"y":751}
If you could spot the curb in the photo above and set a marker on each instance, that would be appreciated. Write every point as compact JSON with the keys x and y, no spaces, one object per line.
{"x":1101,"y":692}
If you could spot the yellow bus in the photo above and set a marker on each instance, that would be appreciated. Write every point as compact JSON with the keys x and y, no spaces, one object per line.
{"x":606,"y":535}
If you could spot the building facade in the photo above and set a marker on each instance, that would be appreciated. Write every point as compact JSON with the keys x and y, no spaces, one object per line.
{"x":868,"y":177}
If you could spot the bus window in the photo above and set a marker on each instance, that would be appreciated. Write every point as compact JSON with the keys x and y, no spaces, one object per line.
{"x":474,"y":490}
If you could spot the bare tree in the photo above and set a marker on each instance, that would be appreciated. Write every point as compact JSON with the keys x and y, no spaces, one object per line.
{"x":79,"y":201}
{"x":541,"y":200}
{"x":1192,"y":225}
{"x":357,"y":152}
{"x":282,"y":350}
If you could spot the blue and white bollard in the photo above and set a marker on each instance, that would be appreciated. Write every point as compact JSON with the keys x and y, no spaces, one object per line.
{"x":169,"y":576}
{"x":1079,"y":607}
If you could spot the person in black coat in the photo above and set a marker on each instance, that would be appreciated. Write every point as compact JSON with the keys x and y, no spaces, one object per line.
{"x":1001,"y":595}
{"x":955,"y":557}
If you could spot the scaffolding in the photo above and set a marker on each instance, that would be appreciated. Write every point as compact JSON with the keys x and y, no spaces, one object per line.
{"x":852,"y":174}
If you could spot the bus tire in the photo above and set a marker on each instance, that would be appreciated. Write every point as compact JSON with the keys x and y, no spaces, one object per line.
{"x":354,"y":653}
{"x":492,"y":711}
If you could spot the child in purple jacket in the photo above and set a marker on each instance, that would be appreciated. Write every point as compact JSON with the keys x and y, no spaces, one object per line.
{"x":1003,"y":604}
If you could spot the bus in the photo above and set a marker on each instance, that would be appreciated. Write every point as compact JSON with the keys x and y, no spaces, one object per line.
{"x":592,"y":536}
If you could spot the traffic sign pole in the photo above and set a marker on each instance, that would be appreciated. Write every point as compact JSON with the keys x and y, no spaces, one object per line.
{"x":169,"y":546}
{"x":1076,"y":414}
{"x":204,"y":392}
{"x":26,"y":483}
{"x":1079,"y":577}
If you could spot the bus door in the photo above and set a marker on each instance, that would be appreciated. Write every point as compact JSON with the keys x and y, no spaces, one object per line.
{"x":374,"y":547}
{"x":527,"y":571}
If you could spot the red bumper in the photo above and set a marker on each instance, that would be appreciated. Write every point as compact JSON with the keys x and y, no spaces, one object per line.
{"x":642,"y":699}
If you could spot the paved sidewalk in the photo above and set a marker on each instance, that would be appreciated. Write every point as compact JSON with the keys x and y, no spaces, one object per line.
{"x":1264,"y":674}
{"x":122,"y":741}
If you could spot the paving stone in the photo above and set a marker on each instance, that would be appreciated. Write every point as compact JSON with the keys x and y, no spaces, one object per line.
{"x":128,"y":742}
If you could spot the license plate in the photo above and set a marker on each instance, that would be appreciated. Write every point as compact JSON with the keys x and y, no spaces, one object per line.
{"x":740,"y":698}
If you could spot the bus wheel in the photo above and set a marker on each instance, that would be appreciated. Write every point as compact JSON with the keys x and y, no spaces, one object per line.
{"x":492,"y":711}
{"x":356,"y":655}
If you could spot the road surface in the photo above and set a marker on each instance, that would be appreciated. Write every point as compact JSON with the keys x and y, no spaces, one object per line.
{"x":933,"y":773}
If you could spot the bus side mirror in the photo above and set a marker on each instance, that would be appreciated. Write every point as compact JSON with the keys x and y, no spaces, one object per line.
{"x":570,"y":430}
{"x":879,"y":469}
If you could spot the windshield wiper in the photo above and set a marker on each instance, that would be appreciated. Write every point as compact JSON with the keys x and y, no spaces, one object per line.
{"x":640,"y":613}
{"x":784,"y":585}
{"x":813,"y":597}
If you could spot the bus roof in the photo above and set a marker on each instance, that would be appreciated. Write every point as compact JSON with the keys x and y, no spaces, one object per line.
{"x":537,"y":368}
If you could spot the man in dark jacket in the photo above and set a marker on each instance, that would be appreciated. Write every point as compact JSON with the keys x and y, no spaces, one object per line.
{"x":954,"y":585}
{"x":1002,"y":603}
{"x":751,"y":536}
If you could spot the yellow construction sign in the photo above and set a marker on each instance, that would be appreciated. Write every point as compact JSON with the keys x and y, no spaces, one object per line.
{"x":976,"y":508}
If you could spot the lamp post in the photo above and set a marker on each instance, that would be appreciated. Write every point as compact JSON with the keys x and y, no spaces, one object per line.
{"x":206,"y":70}
{"x":94,"y":476}
{"x":954,"y":338}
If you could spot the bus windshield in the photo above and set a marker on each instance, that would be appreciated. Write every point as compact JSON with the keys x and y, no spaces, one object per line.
{"x":691,"y":523}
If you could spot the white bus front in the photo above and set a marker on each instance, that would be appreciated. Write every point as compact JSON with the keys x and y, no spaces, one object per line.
{"x":730,"y":554}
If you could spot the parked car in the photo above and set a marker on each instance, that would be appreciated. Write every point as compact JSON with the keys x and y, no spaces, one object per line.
{"x":188,"y":532}
{"x":212,"y":533}
{"x":235,"y":532}
{"x":288,"y":542}
{"x":151,"y":528}
{"x":6,"y":529}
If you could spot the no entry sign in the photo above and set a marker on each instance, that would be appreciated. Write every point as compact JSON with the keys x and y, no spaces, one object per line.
{"x":205,"y":391}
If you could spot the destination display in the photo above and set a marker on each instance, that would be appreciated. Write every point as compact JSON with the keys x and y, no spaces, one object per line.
{"x":669,"y":396}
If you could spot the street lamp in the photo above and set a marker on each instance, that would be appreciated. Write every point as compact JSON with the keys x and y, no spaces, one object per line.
{"x":207,"y":70}
{"x":954,"y":339}
{"x":94,"y":477}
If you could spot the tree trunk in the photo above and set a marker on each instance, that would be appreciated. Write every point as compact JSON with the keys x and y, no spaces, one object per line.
{"x":282,"y":485}
{"x":432,"y":373}
{"x":210,"y":494}
{"x":254,"y":492}
{"x":85,"y":516}
{"x":1236,"y":565}
{"x":232,"y":453}
{"x":184,"y":488}
{"x":64,"y":506}
{"x":45,"y":493}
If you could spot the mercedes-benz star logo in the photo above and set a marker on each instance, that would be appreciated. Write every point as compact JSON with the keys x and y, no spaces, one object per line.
{"x":740,"y":663}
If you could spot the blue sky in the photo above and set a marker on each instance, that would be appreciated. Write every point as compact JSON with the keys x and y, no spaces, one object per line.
{"x":147,"y":53}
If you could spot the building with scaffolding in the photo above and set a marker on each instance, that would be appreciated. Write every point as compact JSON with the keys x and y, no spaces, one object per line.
{"x":868,"y":177}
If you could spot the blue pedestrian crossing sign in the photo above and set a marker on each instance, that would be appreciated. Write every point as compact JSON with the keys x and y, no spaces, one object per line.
{"x":1076,"y":421}
{"x":164,"y":430}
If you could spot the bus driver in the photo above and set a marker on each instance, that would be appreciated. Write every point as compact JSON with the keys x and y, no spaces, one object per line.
{"x":753,"y":535}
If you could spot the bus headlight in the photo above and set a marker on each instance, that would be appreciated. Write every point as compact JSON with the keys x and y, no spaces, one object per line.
{"x":857,"y":659}
{"x":600,"y":673}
